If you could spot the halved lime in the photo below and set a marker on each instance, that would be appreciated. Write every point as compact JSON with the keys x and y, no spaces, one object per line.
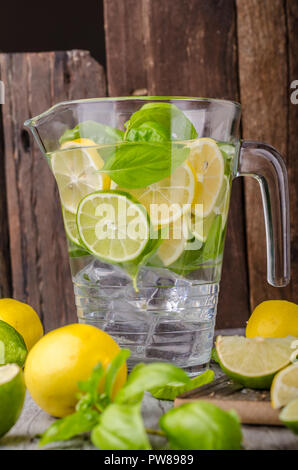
{"x":76,"y":169}
{"x":253,"y":361}
{"x":12,"y":345}
{"x":12,"y":395}
{"x":285,"y":386}
{"x":113,"y":225}
{"x":289,"y":415}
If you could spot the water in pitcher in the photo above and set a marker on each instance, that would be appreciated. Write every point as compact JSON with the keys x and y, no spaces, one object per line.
{"x":145,"y":242}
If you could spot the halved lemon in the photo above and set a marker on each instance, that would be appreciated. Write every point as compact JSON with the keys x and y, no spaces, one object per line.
{"x":174,"y":241}
{"x":285,"y":386}
{"x":208,"y":163}
{"x":170,"y":198}
{"x":75,"y":168}
{"x":253,"y":361}
{"x":113,"y":225}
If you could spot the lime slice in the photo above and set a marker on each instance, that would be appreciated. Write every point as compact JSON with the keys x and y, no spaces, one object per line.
{"x":285,"y":386}
{"x":113,"y":226}
{"x":289,"y":416}
{"x":70,"y":224}
{"x":253,"y":361}
{"x":170,"y":198}
{"x":174,"y":242}
{"x":12,"y":395}
{"x":12,"y":345}
{"x":208,"y":163}
{"x":76,"y":171}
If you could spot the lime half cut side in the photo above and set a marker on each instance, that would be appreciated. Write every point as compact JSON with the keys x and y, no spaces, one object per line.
{"x":289,"y":415}
{"x":285,"y":386}
{"x":70,"y":224}
{"x":113,"y":226}
{"x":253,"y":361}
{"x":12,"y":395}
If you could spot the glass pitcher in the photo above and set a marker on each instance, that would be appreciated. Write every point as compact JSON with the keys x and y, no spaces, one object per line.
{"x":145,"y":186}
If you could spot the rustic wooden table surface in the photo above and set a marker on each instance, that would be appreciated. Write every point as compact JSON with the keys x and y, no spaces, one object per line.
{"x":34,"y":421}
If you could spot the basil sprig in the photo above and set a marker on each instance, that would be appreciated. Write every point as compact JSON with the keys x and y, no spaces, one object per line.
{"x":116,"y":423}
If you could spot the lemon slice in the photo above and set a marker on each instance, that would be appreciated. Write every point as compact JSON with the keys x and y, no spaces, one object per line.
{"x":285,"y":386}
{"x":75,"y":169}
{"x":289,"y":416}
{"x":113,"y":226}
{"x":70,"y":225}
{"x":253,"y":361}
{"x":170,"y":198}
{"x":208,"y":163}
{"x":174,"y":243}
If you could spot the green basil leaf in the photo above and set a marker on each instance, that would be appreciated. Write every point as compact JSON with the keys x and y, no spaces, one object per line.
{"x":99,"y":133}
{"x":170,"y":392}
{"x":133,"y":267}
{"x":211,"y":248}
{"x":113,"y":369}
{"x":201,"y":426}
{"x":148,"y":132}
{"x":209,"y":251}
{"x":120,"y":427}
{"x":138,"y":164}
{"x":68,"y":427}
{"x":90,"y":386}
{"x":147,"y":377}
{"x":172,"y":123}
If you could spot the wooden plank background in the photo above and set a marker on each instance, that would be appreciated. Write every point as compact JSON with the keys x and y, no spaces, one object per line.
{"x":244,"y":50}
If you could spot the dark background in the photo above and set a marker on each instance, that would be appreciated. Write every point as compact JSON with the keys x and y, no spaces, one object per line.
{"x":54,"y":25}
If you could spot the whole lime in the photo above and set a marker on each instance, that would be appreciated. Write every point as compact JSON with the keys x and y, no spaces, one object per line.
{"x":12,"y":395}
{"x":23,"y":318}
{"x":12,"y":345}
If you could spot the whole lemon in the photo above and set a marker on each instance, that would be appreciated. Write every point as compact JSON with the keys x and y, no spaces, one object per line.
{"x":273,"y":319}
{"x":64,"y":357}
{"x":23,"y":318}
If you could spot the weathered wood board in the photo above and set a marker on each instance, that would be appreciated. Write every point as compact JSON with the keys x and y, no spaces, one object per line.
{"x":39,"y":265}
{"x":267,"y":49}
{"x":252,"y":406}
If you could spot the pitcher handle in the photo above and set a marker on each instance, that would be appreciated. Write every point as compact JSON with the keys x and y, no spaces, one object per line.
{"x":266,"y":165}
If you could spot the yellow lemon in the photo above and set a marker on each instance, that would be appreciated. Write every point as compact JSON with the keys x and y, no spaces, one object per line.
{"x":273,"y":319}
{"x":64,"y":357}
{"x":76,"y":167}
{"x":170,"y":198}
{"x":208,"y":163}
{"x":23,"y":318}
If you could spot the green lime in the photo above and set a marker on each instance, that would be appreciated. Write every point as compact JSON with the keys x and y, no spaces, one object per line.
{"x":12,"y":395}
{"x":12,"y":345}
{"x":253,"y":361}
{"x":70,"y":225}
{"x":289,"y":416}
{"x":113,"y":225}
